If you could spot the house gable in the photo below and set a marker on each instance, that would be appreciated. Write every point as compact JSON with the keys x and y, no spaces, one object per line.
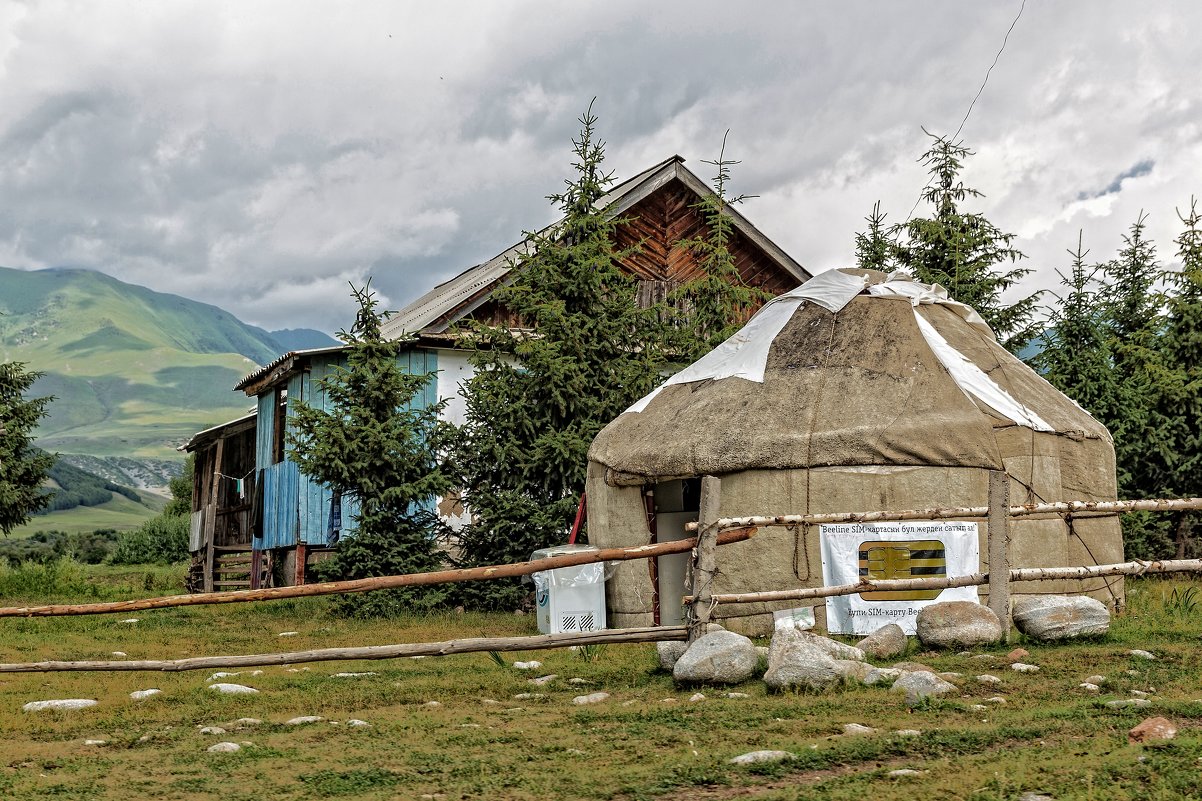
{"x":658,"y":207}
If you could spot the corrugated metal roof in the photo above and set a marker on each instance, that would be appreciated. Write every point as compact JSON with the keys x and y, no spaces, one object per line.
{"x":265,"y":370}
{"x":437,"y":309}
{"x":201,"y":437}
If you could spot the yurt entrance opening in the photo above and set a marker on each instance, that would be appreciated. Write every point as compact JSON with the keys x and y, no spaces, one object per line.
{"x":676,"y":503}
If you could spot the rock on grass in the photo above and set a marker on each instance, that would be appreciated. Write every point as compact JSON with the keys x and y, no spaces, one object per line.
{"x":957,"y":625}
{"x":233,"y":689}
{"x":59,"y":703}
{"x":756,"y":757}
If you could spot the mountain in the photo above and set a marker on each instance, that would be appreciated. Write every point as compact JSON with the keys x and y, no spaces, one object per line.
{"x":134,"y":372}
{"x":301,"y":339}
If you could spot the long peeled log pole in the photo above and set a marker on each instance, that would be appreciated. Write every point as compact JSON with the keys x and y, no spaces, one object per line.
{"x":960,"y":512}
{"x":1136,"y":568}
{"x":467,"y":646}
{"x":378,"y":583}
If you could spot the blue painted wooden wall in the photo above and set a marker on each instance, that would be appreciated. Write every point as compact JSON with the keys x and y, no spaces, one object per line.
{"x":295,"y":508}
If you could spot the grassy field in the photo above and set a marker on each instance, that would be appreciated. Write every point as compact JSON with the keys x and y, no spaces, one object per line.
{"x":647,"y":741}
{"x":118,"y":514}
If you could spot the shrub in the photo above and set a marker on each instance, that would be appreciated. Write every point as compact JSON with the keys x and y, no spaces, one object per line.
{"x":89,"y":548}
{"x":160,"y":540}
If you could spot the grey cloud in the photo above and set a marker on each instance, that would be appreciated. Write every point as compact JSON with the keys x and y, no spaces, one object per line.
{"x":262,"y":178}
{"x":1136,"y":170}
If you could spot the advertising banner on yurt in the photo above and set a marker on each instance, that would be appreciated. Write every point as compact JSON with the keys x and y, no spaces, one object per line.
{"x":852,"y":552}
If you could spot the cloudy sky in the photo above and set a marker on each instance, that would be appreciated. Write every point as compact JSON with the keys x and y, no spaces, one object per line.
{"x":259,"y":156}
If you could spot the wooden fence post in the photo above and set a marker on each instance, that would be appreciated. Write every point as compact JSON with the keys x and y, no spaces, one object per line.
{"x":999,"y":540}
{"x":705,"y":564}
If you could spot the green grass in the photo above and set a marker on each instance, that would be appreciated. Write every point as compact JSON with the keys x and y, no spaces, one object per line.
{"x":1049,"y":737}
{"x":118,"y":514}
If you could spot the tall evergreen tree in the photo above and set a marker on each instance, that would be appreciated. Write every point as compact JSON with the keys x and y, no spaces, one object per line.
{"x":1143,"y":436}
{"x":718,"y":302}
{"x":379,"y":445}
{"x":1133,"y":318}
{"x":540,"y":395}
{"x":23,"y":468}
{"x":964,"y":251}
{"x":1075,"y":356}
{"x":1179,"y":399}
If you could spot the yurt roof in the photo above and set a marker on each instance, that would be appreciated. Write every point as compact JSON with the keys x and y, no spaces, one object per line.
{"x":850,"y":368}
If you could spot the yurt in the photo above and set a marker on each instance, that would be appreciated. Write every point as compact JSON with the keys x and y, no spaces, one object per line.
{"x":854,"y":392}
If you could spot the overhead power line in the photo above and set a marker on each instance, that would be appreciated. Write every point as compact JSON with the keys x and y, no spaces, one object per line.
{"x":1005,"y":39}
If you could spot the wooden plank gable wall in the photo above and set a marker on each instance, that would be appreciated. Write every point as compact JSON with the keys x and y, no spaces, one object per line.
{"x":656,"y":225}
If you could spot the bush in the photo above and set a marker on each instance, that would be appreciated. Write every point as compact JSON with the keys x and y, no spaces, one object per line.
{"x":160,"y":540}
{"x":33,"y":580}
{"x":89,"y":548}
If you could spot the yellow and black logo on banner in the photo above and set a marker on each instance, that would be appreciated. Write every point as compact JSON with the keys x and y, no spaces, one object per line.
{"x":902,"y":560}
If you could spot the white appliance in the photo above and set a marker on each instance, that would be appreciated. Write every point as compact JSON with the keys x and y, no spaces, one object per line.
{"x":569,"y":598}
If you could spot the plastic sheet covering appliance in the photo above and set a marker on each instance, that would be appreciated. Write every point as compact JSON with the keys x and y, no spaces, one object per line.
{"x":569,"y":598}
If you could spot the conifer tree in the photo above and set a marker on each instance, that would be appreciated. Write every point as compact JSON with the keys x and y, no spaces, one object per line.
{"x":874,"y":247}
{"x":718,"y":302}
{"x":963,"y":251}
{"x":1133,"y":319}
{"x":23,"y":468}
{"x":541,"y":394}
{"x":1179,"y":397}
{"x":1142,"y":429}
{"x":378,"y":445}
{"x":1075,"y":356}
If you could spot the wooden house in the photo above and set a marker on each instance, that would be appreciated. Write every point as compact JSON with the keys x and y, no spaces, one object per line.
{"x":659,"y":209}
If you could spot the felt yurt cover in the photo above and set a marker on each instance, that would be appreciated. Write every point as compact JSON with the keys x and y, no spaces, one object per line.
{"x":863,"y":375}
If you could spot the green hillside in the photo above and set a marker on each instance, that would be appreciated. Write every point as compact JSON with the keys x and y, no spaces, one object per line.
{"x":134,"y":372}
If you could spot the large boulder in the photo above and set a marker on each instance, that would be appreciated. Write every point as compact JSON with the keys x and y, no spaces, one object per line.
{"x":832,"y":648}
{"x":920,"y":684}
{"x":809,"y":661}
{"x":886,"y":642}
{"x":850,"y":669}
{"x":957,"y":625}
{"x":801,"y":663}
{"x":1060,"y":617}
{"x":669,"y":652}
{"x":720,"y":657}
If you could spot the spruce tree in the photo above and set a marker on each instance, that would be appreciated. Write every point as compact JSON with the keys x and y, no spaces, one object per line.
{"x":1179,"y":399}
{"x":1133,"y":319}
{"x":542,"y":393}
{"x":1076,"y":356}
{"x":378,"y":445}
{"x":717,"y":303}
{"x":1142,"y":436}
{"x":874,"y":247}
{"x":23,"y":468}
{"x":963,"y":251}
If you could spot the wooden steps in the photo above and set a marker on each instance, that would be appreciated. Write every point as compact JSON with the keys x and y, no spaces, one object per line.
{"x":232,"y":567}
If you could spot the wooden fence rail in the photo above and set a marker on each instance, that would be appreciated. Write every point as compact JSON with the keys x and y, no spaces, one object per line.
{"x":961,"y":512}
{"x":1134,"y":568}
{"x":700,"y":601}
{"x":378,"y":583}
{"x":465,"y":646}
